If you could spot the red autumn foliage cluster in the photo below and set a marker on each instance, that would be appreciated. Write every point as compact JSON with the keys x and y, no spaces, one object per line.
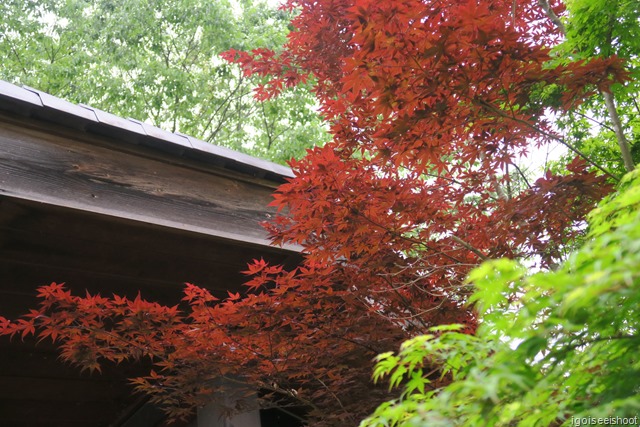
{"x":430,"y":104}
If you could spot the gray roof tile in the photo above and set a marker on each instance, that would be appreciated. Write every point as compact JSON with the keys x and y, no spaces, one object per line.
{"x":115,"y":121}
{"x":13,"y":92}
{"x":60,"y":105}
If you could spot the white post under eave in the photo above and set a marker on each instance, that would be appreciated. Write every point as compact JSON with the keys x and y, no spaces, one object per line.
{"x":211,"y":416}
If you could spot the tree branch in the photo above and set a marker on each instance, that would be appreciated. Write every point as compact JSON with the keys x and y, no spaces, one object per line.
{"x":544,"y":4}
{"x":469,"y":247}
{"x":549,"y":135}
{"x":609,"y":101}
{"x":617,"y":127}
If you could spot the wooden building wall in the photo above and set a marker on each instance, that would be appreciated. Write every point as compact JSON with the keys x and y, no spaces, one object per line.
{"x":112,"y":206}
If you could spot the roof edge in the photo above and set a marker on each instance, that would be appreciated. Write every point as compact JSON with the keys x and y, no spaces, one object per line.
{"x":31,"y":102}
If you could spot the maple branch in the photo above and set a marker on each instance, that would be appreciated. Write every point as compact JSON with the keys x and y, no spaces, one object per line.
{"x":18,"y":57}
{"x":414,"y":282}
{"x":470,"y":247}
{"x":544,"y":4}
{"x":597,"y":340}
{"x":407,"y":304}
{"x":499,"y":191}
{"x":240,"y":344}
{"x":508,"y":175}
{"x":276,"y":389}
{"x":349,"y":340}
{"x":599,"y":123}
{"x":419,"y":242}
{"x":406,"y":238}
{"x":455,"y":181}
{"x":286,"y":411}
{"x":522,"y":175}
{"x":145,"y":350}
{"x":548,"y":135}
{"x":414,"y":315}
{"x":635,"y":102}
{"x":223,"y":109}
{"x":609,"y":101}
{"x":332,"y":394}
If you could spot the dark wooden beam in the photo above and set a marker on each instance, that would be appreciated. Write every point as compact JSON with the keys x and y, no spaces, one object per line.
{"x":47,"y":413}
{"x":76,"y":171}
{"x":40,"y":244}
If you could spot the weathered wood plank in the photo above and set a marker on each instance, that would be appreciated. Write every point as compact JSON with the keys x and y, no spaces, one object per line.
{"x":66,"y":172}
{"x":29,"y":102}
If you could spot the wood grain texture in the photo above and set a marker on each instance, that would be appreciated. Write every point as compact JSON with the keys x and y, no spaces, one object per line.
{"x":38,"y":166}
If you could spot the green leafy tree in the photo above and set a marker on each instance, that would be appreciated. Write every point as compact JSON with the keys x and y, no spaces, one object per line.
{"x":157,"y":61}
{"x":607,"y":126}
{"x":552,"y":348}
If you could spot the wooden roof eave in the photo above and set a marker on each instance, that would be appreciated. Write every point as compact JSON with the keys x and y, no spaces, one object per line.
{"x":90,"y":167}
{"x":31,"y":102}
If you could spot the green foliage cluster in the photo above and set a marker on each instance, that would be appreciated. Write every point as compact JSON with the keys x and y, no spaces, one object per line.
{"x":603,"y":28}
{"x":551,"y":346}
{"x":157,"y":61}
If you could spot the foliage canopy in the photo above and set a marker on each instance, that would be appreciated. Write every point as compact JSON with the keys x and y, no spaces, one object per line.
{"x":551,"y":346}
{"x":158,"y":61}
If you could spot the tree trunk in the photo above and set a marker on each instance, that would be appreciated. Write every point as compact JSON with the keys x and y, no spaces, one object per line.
{"x":617,"y":128}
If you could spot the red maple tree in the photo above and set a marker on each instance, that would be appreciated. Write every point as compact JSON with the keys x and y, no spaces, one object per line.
{"x":430,"y":103}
